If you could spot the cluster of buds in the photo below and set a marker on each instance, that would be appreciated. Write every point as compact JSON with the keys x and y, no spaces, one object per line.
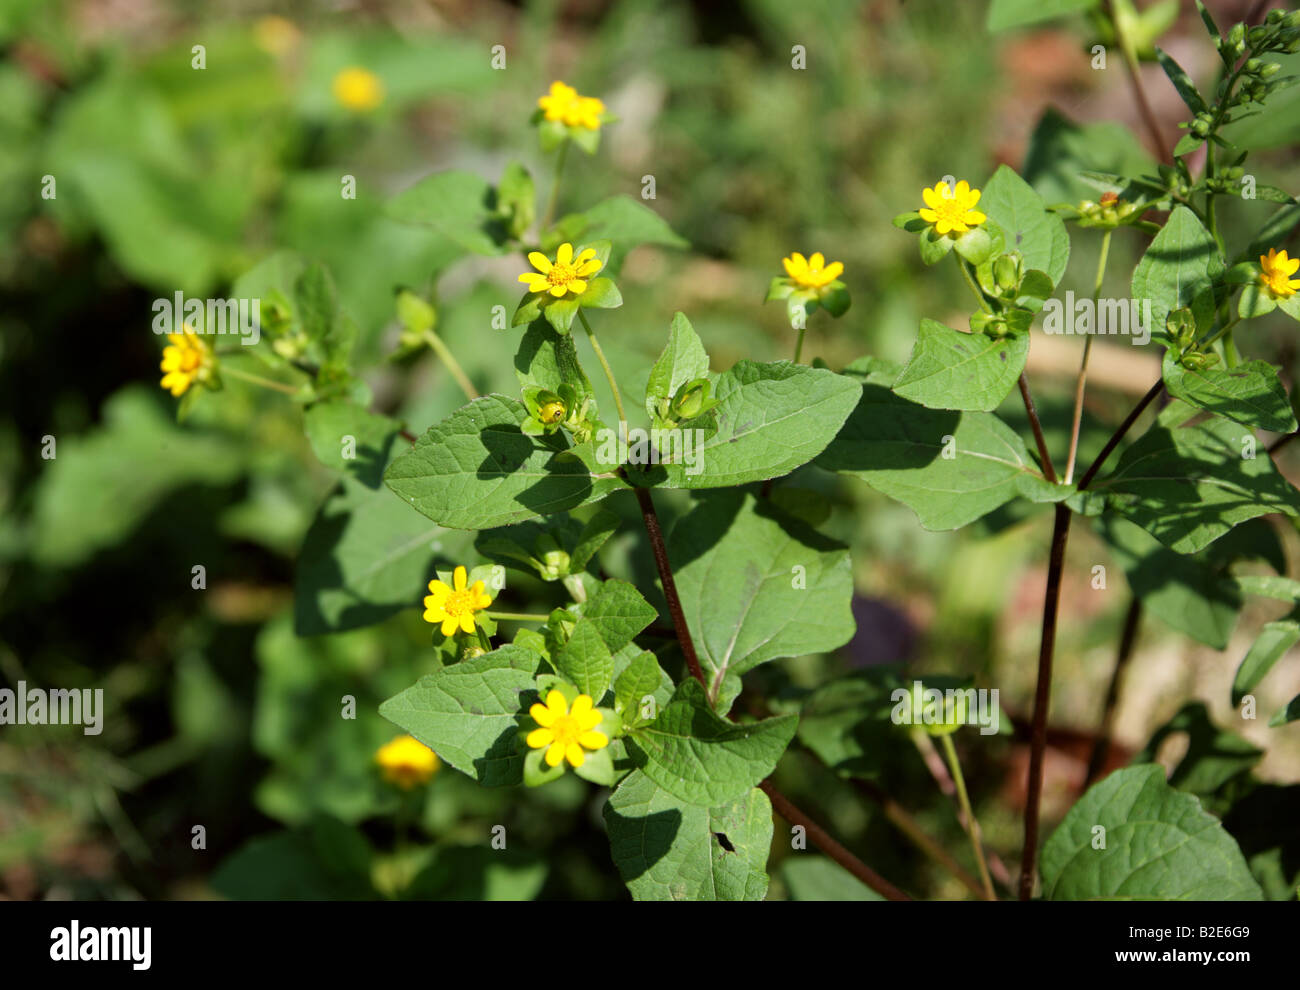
{"x":548,"y":411}
{"x":1181,"y":325}
{"x":1015,"y":290}
{"x":1108,"y":212}
{"x":691,"y":400}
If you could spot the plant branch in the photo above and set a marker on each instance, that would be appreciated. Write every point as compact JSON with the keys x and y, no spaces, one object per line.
{"x":660,"y":552}
{"x":284,"y":387}
{"x":1042,"y":696}
{"x":555,"y":189}
{"x":1139,"y":94}
{"x":823,"y":841}
{"x":972,"y":823}
{"x":609,"y":374}
{"x":1118,"y":435}
{"x":1081,"y":384}
{"x":1049,"y":472}
{"x":457,"y":372}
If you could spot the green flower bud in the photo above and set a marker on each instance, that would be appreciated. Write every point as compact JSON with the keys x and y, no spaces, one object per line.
{"x":1006,"y":272}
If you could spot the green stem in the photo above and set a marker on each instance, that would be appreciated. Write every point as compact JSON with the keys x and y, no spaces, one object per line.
{"x":972,"y":826}
{"x":1226,"y":328}
{"x":609,"y":373}
{"x":798,"y":345}
{"x":1081,"y":383}
{"x":555,"y":188}
{"x":444,"y":353}
{"x":974,"y":286}
{"x":518,"y":616}
{"x":259,"y":380}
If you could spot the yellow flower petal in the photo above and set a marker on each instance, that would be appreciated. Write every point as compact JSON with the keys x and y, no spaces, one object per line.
{"x":542,"y":715}
{"x":449,"y":625}
{"x":539,"y":738}
{"x":578,"y":286}
{"x":594,"y":740}
{"x":555,"y":755}
{"x":556,"y":703}
{"x":575,"y":754}
{"x":565,"y":254}
{"x":539,"y":261}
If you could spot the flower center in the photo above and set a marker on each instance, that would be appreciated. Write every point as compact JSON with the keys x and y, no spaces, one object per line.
{"x":561,"y":274}
{"x":950,"y":208}
{"x":459,"y":603}
{"x":190,"y":360}
{"x":566,"y":729}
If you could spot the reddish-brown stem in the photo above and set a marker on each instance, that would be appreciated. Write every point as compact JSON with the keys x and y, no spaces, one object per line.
{"x":1049,"y":472}
{"x":660,"y":552}
{"x":1118,"y":435}
{"x":780,"y":803}
{"x":1140,"y":96}
{"x":407,"y":435}
{"x":1042,"y":696}
{"x":823,"y":841}
{"x":1101,"y":748}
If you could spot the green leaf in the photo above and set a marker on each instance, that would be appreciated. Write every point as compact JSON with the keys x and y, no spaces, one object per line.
{"x":517,"y":199}
{"x":809,"y":877}
{"x":1263,"y":823}
{"x":608,"y":622}
{"x":479,"y":873}
{"x":846,"y":722}
{"x":93,"y":494}
{"x":476,"y":470}
{"x":1213,"y":759}
{"x":1255,"y":301}
{"x":1290,"y":712}
{"x":1177,"y":271}
{"x":1269,"y":647}
{"x":1189,"y":485}
{"x":470,"y":713}
{"x":1182,"y":82}
{"x":599,"y":528}
{"x":667,"y":849}
{"x":366,"y":556}
{"x":770,"y":419}
{"x":1160,"y":845}
{"x":757,"y":584}
{"x":461,"y":206}
{"x":950,"y":468}
{"x":601,"y":293}
{"x":624,"y":221}
{"x":683,"y":360}
{"x":322,"y":861}
{"x":560,"y":312}
{"x":1026,"y":224}
{"x":1250,"y":394}
{"x":1061,"y":151}
{"x":1004,"y":14}
{"x":1184,"y":592}
{"x":934,"y":247}
{"x":548,"y":360}
{"x":701,"y":758}
{"x":949,"y":369}
{"x":642,"y":678}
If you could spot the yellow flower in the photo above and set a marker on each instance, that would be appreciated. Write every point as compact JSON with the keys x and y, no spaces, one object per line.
{"x":1277,"y":272}
{"x":564,"y":104}
{"x":567,"y":274}
{"x":455,"y":607}
{"x":566,"y":732}
{"x":811,"y":273}
{"x":186,"y":358}
{"x":952,"y":209}
{"x":406,"y":762}
{"x":551,"y":412}
{"x":358,"y":89}
{"x":275,"y":35}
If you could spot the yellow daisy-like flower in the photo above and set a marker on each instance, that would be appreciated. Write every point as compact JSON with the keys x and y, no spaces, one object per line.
{"x":566,"y":274}
{"x":455,"y":607}
{"x":358,"y":89}
{"x":185,"y":358}
{"x":276,"y":35}
{"x":951,"y":210}
{"x":811,"y":273}
{"x":566,"y":732}
{"x":407,"y":762}
{"x":564,"y":104}
{"x":1277,"y":272}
